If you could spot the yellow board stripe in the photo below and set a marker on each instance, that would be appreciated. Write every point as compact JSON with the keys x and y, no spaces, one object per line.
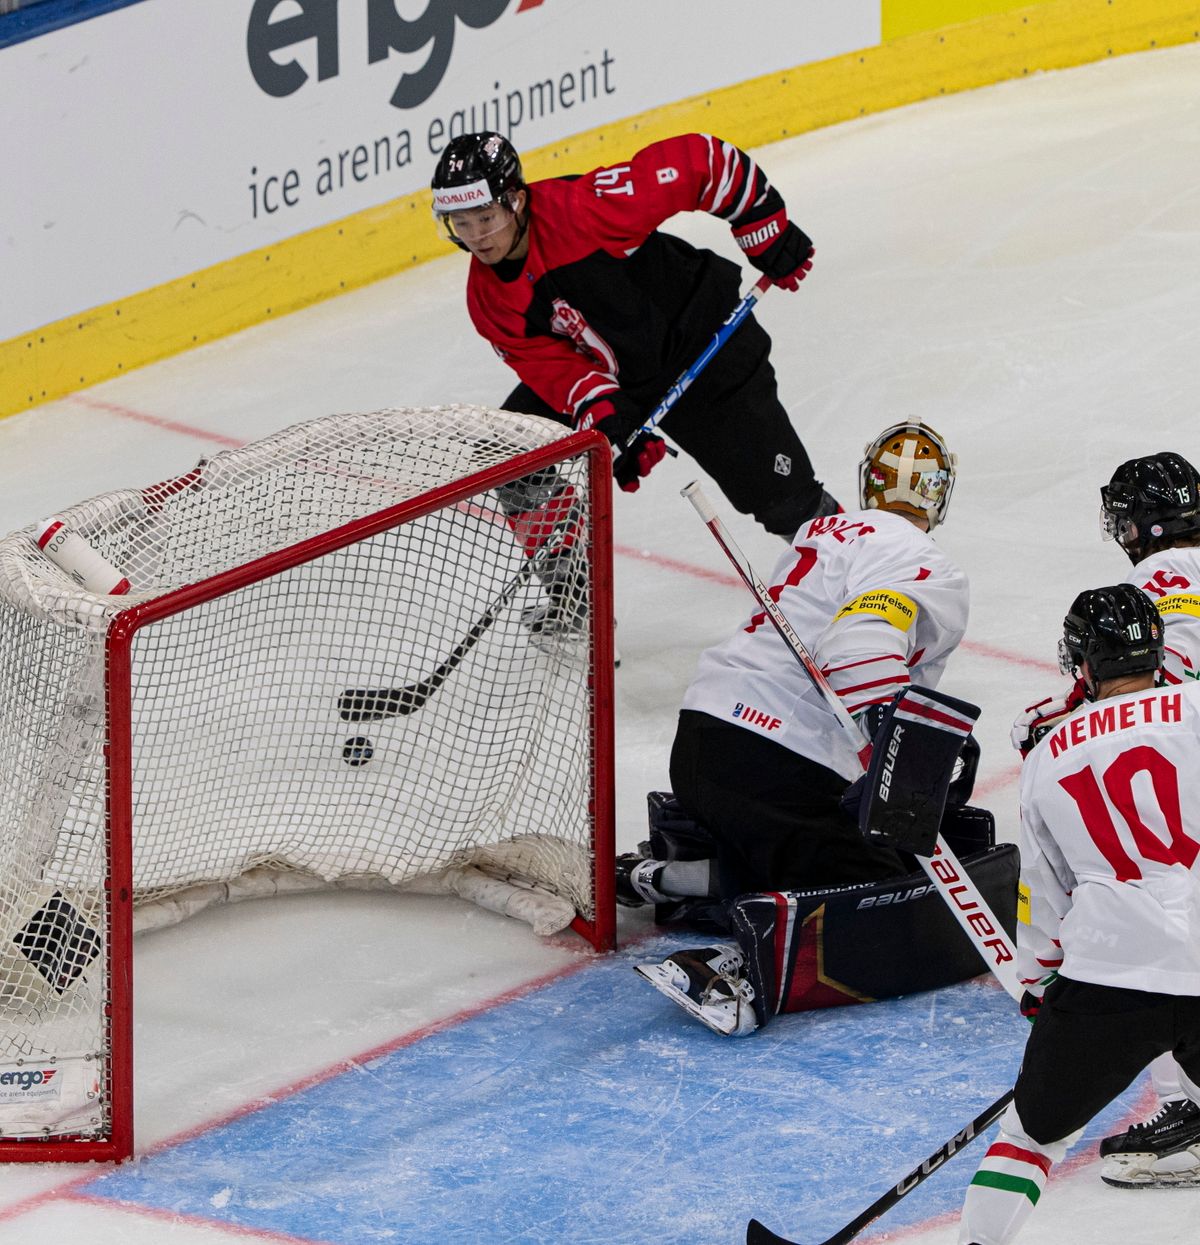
{"x":108,"y":341}
{"x":910,"y":17}
{"x":892,"y":607}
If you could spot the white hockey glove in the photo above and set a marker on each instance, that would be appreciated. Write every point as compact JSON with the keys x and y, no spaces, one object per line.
{"x":1041,"y":718}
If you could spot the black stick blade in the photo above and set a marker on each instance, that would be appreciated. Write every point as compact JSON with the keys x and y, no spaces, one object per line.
{"x":370,"y":704}
{"x":759,"y":1234}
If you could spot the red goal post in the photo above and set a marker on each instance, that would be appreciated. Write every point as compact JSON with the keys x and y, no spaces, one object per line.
{"x":203,"y":738}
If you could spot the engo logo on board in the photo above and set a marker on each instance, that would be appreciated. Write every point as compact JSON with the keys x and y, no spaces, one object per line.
{"x":269,"y":37}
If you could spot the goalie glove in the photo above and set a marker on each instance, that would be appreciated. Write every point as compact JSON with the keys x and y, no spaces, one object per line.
{"x":869,"y":721}
{"x":912,"y":759}
{"x":1041,"y":718}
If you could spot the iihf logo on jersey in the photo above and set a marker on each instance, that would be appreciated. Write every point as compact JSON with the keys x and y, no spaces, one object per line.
{"x":755,"y":717}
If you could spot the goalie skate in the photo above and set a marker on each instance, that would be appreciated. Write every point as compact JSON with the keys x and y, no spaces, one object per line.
{"x":1161,"y":1153}
{"x":637,"y":878}
{"x":707,"y":984}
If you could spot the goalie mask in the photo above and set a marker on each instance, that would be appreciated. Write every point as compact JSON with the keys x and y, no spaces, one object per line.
{"x":1149,"y":502}
{"x":908,"y":468}
{"x":1117,"y":631}
{"x":475,"y":187}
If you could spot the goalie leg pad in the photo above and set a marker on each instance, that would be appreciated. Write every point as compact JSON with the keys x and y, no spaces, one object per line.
{"x":806,"y":950}
{"x":912,"y":762}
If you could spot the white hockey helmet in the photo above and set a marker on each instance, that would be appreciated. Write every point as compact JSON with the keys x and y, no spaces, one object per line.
{"x":908,"y":468}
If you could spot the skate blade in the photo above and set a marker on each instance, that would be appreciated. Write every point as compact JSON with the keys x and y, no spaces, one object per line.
{"x":660,"y":979}
{"x":1171,"y":1171}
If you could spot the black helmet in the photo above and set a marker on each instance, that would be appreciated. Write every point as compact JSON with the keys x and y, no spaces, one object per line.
{"x":475,"y":170}
{"x":1116,"y":630}
{"x":1150,"y":500}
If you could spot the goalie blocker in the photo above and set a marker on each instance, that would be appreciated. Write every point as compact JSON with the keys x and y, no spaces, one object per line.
{"x":900,"y":800}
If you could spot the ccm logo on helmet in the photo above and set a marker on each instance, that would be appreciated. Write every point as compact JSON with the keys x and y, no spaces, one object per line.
{"x":387,"y":32}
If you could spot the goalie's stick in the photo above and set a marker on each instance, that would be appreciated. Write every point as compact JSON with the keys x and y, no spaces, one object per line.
{"x":954,"y":885}
{"x":758,"y":1234}
{"x":688,"y":375}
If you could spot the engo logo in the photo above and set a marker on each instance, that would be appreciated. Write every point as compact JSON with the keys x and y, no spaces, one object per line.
{"x":298,"y":21}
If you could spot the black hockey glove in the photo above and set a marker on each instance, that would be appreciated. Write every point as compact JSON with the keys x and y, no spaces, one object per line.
{"x":619,"y":417}
{"x":777,"y":248}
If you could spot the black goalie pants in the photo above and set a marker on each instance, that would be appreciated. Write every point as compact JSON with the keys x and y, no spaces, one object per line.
{"x":732,"y":423}
{"x":773,"y":814}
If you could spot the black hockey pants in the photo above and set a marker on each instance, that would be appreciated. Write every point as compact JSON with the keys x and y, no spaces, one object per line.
{"x":1088,"y":1044}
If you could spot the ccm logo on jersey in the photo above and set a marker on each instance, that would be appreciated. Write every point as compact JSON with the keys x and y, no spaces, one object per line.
{"x":892,"y":607}
{"x":755,"y":717}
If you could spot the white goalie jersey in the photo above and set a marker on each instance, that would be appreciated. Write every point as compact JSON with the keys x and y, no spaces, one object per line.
{"x":1171,"y":579}
{"x":1110,"y":845}
{"x":877,"y":604}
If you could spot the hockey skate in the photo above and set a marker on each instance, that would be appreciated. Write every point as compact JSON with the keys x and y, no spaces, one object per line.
{"x":557,"y":624}
{"x":637,"y":877}
{"x":1160,"y":1153}
{"x":707,"y":983}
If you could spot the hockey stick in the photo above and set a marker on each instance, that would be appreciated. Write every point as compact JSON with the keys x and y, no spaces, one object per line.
{"x":758,"y":1234}
{"x":372,"y":704}
{"x":688,"y":375}
{"x":954,"y":885}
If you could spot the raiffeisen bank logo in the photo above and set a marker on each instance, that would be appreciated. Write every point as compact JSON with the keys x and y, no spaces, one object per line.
{"x":278,"y":26}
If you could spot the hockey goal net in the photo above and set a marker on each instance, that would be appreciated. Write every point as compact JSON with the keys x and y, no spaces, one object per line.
{"x":371,"y":650}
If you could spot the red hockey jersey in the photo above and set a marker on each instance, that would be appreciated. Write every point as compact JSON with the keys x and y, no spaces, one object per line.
{"x":605,"y":301}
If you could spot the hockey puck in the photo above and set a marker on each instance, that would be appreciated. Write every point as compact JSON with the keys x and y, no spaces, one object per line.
{"x":357,"y":751}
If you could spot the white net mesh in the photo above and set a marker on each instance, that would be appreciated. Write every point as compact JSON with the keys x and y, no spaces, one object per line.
{"x":243,"y":770}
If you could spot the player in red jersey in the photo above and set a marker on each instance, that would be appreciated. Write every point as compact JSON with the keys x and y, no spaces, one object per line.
{"x":598,"y":312}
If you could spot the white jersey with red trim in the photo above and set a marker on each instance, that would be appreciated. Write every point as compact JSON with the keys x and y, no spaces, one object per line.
{"x":1171,"y":579}
{"x":876,"y":603}
{"x":1110,"y":845}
